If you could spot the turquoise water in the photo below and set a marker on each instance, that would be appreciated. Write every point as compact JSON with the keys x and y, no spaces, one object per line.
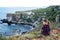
{"x":6,"y":30}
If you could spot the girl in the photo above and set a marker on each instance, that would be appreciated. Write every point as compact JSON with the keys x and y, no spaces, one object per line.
{"x":46,"y":28}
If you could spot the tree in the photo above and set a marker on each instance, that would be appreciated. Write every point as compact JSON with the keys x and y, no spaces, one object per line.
{"x":29,"y":20}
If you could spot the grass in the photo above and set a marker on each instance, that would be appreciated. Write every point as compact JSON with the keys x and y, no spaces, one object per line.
{"x":35,"y":34}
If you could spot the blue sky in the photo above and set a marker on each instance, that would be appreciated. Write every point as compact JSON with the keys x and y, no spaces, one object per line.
{"x":5,"y":10}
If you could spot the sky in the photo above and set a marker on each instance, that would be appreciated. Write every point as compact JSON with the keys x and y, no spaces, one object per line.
{"x":28,"y":3}
{"x":16,"y":5}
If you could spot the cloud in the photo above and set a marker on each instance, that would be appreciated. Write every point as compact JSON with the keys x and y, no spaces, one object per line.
{"x":28,"y":3}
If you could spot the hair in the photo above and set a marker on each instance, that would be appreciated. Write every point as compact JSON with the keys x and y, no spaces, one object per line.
{"x":47,"y":21}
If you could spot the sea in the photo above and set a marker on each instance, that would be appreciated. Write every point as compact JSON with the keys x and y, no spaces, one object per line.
{"x":12,"y":30}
